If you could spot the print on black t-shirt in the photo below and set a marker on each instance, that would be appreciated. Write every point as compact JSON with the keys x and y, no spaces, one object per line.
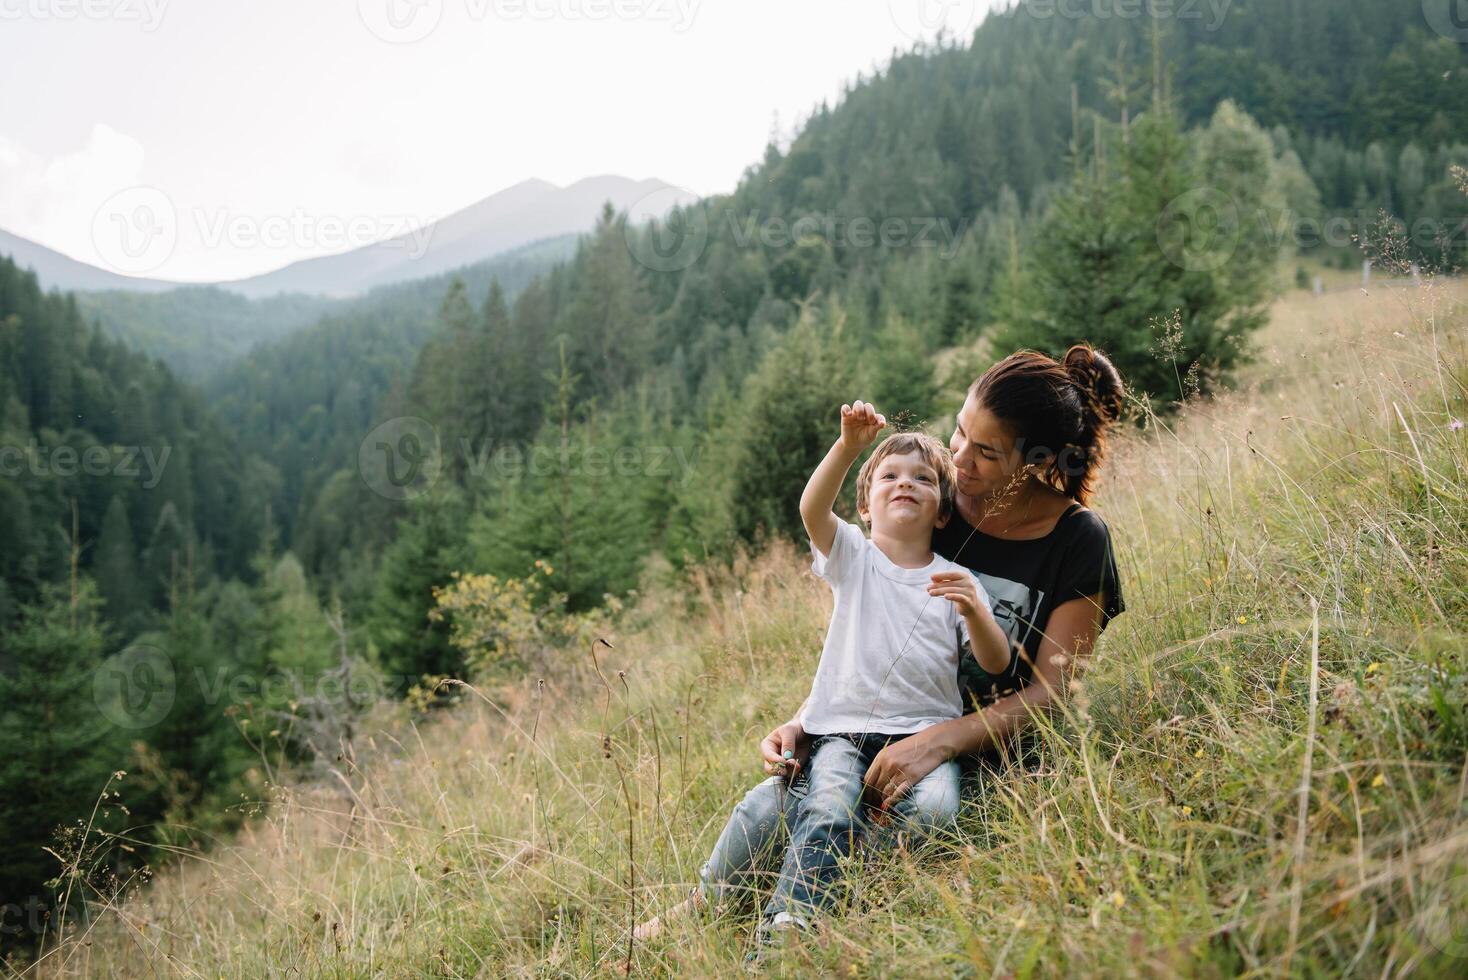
{"x":1026,"y":581}
{"x":1014,"y":605}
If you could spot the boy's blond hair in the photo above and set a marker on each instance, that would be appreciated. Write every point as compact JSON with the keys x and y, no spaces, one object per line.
{"x":932,"y":451}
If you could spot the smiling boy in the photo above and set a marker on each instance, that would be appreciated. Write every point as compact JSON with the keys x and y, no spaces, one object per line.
{"x":889,"y":667}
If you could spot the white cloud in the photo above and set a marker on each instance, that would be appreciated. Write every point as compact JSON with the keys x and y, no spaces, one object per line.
{"x":53,"y":200}
{"x":251,"y":114}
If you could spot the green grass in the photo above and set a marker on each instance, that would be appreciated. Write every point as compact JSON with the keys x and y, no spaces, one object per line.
{"x":1208,"y":803}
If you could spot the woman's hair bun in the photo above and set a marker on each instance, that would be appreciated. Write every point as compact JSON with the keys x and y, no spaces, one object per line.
{"x":1100,"y":386}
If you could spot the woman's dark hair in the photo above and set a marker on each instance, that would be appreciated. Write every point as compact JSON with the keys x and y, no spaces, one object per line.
{"x":1058,"y":411}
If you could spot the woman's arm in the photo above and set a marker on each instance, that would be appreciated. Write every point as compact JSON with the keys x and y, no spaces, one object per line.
{"x":1069,"y":637}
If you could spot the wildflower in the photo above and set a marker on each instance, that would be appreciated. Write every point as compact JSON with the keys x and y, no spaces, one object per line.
{"x":1379,"y":780}
{"x":1455,"y":425}
{"x":1243,"y":620}
{"x":1118,"y":899}
{"x":1372,"y":668}
{"x":1187,"y":811}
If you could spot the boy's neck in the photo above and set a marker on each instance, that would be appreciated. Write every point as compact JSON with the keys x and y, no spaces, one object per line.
{"x":904,"y":551}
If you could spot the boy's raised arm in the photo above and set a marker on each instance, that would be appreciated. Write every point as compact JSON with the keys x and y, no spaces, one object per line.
{"x":860,"y":424}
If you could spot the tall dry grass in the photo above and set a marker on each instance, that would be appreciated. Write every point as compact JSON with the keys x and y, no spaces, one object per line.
{"x":1262,"y":772}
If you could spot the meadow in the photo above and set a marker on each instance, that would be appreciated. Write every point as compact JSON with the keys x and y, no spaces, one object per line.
{"x":1260,"y":772}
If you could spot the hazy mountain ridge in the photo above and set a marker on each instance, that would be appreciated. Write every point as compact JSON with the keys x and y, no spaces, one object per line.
{"x":198,"y":329}
{"x":201,"y":331}
{"x":525,"y":212}
{"x":529,"y":211}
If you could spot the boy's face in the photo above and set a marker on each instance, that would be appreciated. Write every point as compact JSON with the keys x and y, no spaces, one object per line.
{"x":904,"y":496}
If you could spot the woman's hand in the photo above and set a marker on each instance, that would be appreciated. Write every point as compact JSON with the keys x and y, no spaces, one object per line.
{"x":899,"y":767}
{"x":785,"y":750}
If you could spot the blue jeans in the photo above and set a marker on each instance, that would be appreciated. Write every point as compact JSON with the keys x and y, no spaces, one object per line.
{"x":816,"y":821}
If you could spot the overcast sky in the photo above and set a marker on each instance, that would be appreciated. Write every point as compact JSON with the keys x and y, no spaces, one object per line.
{"x":279,"y":129}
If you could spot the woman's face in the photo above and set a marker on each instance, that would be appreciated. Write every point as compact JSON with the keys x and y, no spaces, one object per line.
{"x":983,"y":451}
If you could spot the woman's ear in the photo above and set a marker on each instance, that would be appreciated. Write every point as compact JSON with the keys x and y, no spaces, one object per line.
{"x":1038,"y":465}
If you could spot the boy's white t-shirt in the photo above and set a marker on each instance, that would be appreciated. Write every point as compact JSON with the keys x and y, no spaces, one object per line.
{"x":890,"y":662}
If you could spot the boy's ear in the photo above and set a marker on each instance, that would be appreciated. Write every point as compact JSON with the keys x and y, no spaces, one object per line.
{"x":942,"y":521}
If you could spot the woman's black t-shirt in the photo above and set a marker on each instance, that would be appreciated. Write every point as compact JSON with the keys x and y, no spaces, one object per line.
{"x":1026,"y":580}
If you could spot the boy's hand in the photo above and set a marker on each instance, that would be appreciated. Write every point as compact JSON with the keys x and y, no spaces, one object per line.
{"x":958,"y":588}
{"x":860,"y":424}
{"x":785,"y":750}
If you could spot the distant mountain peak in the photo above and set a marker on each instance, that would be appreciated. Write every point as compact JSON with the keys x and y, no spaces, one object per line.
{"x":530,"y":210}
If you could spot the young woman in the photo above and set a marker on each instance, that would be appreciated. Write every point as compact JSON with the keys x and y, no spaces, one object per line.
{"x":1027,"y":446}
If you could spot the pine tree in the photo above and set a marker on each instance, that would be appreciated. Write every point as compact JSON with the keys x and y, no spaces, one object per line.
{"x":116,"y":568}
{"x":1137,"y":240}
{"x":791,"y":416}
{"x":573,"y":508}
{"x":902,"y":383}
{"x":439,"y":391}
{"x":58,"y":748}
{"x":489,"y":374}
{"x":424,"y":555}
{"x":609,"y":318}
{"x":1236,"y":159}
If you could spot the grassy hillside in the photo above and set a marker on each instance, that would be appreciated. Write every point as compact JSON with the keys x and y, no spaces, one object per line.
{"x":1263,"y":770}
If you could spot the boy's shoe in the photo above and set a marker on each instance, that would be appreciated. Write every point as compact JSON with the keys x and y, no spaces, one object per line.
{"x":772,"y":938}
